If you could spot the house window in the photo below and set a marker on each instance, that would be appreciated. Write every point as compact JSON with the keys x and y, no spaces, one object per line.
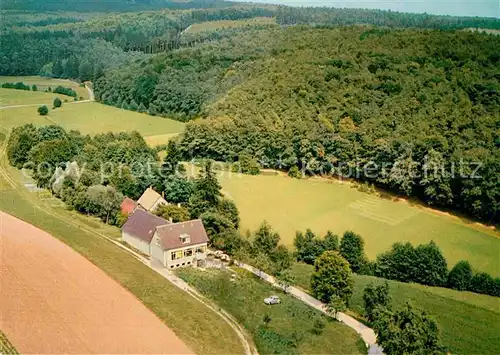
{"x":200,"y":250}
{"x":188,"y":252}
{"x":176,"y":255}
{"x":158,"y":241}
{"x":185,"y":238}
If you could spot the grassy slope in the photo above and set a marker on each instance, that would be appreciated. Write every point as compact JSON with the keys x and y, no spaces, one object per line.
{"x":290,"y":205}
{"x":91,"y":118}
{"x":10,"y":97}
{"x":244,"y":300}
{"x":200,"y":328}
{"x":44,"y":83}
{"x":470,"y":323}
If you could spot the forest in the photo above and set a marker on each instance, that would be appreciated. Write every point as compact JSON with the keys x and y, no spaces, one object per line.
{"x":422,"y":107}
{"x":406,"y":102}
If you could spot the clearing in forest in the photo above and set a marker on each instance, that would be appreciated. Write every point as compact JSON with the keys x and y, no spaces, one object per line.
{"x":91,"y":118}
{"x":291,"y":205}
{"x":44,"y":83}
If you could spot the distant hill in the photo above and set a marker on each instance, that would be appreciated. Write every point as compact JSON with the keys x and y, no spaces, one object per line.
{"x":106,"y":5}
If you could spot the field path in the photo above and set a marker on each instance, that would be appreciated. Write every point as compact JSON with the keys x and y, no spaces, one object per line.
{"x":366,"y":333}
{"x":53,"y":300}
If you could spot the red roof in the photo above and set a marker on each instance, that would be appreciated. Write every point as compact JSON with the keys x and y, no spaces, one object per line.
{"x":128,"y":206}
{"x":171,"y":234}
{"x":142,"y":225}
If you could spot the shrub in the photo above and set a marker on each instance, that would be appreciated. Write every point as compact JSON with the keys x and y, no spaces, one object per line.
{"x":43,"y":110}
{"x":460,"y":276}
{"x":64,"y":91}
{"x":57,"y":102}
{"x":295,"y":173}
{"x":482,"y":283}
{"x":318,"y":326}
{"x":407,"y":331}
{"x":376,"y":298}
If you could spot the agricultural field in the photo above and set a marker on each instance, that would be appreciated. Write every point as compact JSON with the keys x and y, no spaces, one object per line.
{"x":91,"y":118}
{"x":45,"y":83}
{"x":290,"y":205}
{"x":291,"y":325}
{"x":469,"y":322}
{"x":224,"y":24}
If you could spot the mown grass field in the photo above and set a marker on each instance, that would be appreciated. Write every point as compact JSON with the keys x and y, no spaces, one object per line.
{"x":290,"y":205}
{"x":290,"y":330}
{"x":5,"y":346}
{"x":11,"y":97}
{"x":44,"y":83}
{"x":469,"y":322}
{"x":223,"y":24}
{"x":200,"y":328}
{"x":91,"y":118}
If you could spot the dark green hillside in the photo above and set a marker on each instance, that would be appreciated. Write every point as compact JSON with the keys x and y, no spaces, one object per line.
{"x":326,"y":99}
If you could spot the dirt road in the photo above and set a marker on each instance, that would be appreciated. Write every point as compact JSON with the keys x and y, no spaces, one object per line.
{"x":52,"y":300}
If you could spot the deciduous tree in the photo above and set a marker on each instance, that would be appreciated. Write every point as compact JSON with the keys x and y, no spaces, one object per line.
{"x":332,"y":276}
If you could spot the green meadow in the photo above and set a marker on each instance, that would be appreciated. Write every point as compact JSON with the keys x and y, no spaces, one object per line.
{"x":91,"y":118}
{"x":44,"y":83}
{"x":11,"y":97}
{"x":291,"y":329}
{"x":291,"y":205}
{"x":469,"y":322}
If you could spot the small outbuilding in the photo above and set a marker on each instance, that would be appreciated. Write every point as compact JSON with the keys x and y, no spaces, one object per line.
{"x":151,"y":199}
{"x":128,"y":206}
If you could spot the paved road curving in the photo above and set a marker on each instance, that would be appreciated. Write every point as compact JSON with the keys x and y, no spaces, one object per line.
{"x":366,"y":333}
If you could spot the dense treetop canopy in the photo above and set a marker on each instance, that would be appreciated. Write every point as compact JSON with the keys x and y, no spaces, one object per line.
{"x":323,"y":90}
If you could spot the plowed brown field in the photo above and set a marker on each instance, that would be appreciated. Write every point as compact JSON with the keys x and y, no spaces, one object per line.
{"x":53,"y":300}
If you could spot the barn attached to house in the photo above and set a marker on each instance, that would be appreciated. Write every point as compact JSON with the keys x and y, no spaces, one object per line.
{"x":180,"y":244}
{"x":139,"y":229}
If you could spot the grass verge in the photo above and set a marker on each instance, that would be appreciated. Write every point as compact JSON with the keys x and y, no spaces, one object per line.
{"x":291,"y":329}
{"x":469,"y":322}
{"x":5,"y":346}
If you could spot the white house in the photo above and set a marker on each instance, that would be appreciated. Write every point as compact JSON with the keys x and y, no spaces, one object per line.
{"x":139,"y":229}
{"x":180,"y":244}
